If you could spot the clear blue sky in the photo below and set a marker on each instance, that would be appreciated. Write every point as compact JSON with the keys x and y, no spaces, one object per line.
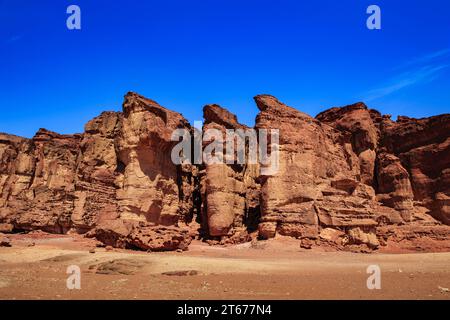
{"x":312,"y":55}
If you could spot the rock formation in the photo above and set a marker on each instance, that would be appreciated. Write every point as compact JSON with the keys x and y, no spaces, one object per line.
{"x":230,"y":192}
{"x":117,"y":173}
{"x":348,"y":178}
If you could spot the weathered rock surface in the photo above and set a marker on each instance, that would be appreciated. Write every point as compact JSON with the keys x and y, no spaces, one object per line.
{"x":319,"y":179}
{"x":4,"y":241}
{"x":347,"y":171}
{"x":119,"y":169}
{"x":423,"y":147}
{"x":349,"y":178}
{"x":229,"y":190}
{"x":97,"y":170}
{"x":38,"y":180}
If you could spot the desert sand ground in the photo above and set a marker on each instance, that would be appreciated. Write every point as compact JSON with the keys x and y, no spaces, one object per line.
{"x":35,"y":268}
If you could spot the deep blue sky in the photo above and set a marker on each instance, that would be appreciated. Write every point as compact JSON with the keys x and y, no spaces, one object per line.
{"x":312,"y":55}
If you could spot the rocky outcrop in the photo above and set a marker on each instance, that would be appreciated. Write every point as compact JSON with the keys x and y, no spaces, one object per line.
{"x":38,"y":180}
{"x":341,"y":171}
{"x":288,"y":197}
{"x":394,"y":186}
{"x":349,"y":178}
{"x":358,"y":125}
{"x":148,"y":189}
{"x":97,"y":170}
{"x":119,"y":169}
{"x":423,"y":148}
{"x":229,"y":191}
{"x":319,"y":182}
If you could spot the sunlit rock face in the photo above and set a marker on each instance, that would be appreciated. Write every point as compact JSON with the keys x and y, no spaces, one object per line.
{"x":350,"y":177}
{"x":229,"y":191}
{"x":319,"y":182}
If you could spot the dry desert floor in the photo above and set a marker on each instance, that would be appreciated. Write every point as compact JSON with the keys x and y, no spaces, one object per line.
{"x":35,"y":268}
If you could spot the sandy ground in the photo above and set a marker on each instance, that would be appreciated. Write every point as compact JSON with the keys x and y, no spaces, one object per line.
{"x":35,"y":268}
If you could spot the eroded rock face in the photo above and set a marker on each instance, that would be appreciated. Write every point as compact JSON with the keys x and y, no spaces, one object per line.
{"x":349,"y":178}
{"x":230,"y":192}
{"x":319,"y":182}
{"x":148,"y":188}
{"x":394,"y":186}
{"x":354,"y":170}
{"x":119,"y":169}
{"x":423,"y":147}
{"x":97,"y":171}
{"x":358,"y":124}
{"x":38,"y":181}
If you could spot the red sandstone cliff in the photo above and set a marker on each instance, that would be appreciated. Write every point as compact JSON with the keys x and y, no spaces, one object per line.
{"x":349,"y":178}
